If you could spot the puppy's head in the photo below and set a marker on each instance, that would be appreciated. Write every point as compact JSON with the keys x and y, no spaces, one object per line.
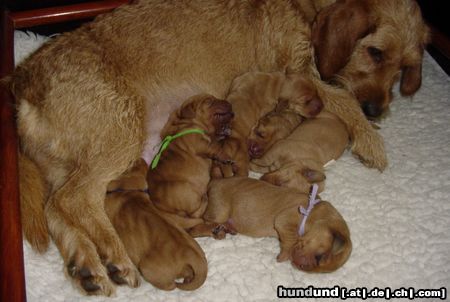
{"x":301,"y":95}
{"x":209,"y":113}
{"x":324,"y":247}
{"x":272,"y":127}
{"x":297,"y":175}
{"x":366,"y":46}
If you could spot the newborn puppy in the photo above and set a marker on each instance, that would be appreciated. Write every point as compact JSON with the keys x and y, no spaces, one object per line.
{"x":259,"y":209}
{"x":179,"y":182}
{"x":298,"y":160}
{"x":255,"y":94}
{"x":272,"y":127}
{"x":160,"y":250}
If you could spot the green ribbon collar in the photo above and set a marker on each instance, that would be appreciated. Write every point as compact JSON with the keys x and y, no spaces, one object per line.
{"x":166,"y":142}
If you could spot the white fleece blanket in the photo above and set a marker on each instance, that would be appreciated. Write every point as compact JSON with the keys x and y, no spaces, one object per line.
{"x":399,"y":219}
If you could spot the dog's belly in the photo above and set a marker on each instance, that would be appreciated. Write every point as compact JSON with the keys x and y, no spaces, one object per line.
{"x":159,"y":106}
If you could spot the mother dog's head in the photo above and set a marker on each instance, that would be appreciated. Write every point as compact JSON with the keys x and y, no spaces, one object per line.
{"x":367,"y":45}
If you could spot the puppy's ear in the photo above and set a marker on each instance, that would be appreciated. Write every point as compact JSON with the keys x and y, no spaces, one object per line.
{"x":187,"y":112}
{"x":286,"y":225}
{"x":313,"y":176}
{"x":411,"y":79}
{"x":335,"y":32}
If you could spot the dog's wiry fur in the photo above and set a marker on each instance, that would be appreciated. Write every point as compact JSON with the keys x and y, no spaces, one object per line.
{"x":258,"y":209}
{"x":92,"y":101}
{"x":160,"y":250}
{"x":297,"y":161}
{"x":178,"y":184}
{"x":368,"y":45}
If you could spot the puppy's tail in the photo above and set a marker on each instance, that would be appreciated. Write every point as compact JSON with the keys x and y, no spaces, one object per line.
{"x":32,"y":198}
{"x":195,"y":271}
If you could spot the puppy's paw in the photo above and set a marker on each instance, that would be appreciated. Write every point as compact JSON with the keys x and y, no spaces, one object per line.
{"x":219,"y":232}
{"x":283,"y":256}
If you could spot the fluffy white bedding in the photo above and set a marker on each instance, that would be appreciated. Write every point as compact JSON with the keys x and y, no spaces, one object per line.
{"x":399,"y":219}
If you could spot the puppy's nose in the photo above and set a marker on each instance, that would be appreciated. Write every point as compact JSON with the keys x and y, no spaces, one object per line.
{"x":255,"y":150}
{"x":371,"y":109}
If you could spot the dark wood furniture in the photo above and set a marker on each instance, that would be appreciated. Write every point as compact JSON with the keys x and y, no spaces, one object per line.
{"x":12,"y":287}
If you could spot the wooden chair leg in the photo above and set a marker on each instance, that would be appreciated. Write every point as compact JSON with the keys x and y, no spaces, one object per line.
{"x":11,"y":254}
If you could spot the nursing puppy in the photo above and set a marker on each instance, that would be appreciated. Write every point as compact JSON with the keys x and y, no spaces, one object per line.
{"x":297,"y":161}
{"x":179,"y":182}
{"x":160,"y":250}
{"x":254,"y":94}
{"x":272,"y":127}
{"x":255,"y":208}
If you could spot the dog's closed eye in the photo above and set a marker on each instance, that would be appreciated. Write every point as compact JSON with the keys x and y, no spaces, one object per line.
{"x":375,"y":53}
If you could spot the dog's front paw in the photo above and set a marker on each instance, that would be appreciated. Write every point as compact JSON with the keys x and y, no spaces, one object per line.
{"x":91,"y":277}
{"x":368,"y":146}
{"x":123,"y":274}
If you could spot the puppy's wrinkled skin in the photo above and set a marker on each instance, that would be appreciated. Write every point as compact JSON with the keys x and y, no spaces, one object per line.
{"x":178,"y":184}
{"x":272,"y":127}
{"x":298,"y":160}
{"x":161,"y":251}
{"x":369,"y":45}
{"x":255,"y":94}
{"x":255,"y":208}
{"x":93,"y":101}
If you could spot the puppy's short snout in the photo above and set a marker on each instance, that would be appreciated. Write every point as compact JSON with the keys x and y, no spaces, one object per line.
{"x":255,"y":150}
{"x":371,"y":109}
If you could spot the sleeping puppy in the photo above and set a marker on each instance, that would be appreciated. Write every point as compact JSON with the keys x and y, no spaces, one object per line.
{"x":179,"y":182}
{"x":255,"y":94}
{"x":258,"y":209}
{"x":272,"y":127}
{"x":298,"y":160}
{"x":160,"y":250}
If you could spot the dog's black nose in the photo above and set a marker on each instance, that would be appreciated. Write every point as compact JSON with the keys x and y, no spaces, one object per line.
{"x":371,"y":109}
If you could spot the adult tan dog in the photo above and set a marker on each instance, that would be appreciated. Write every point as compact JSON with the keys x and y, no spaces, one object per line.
{"x":254,"y":94}
{"x":161,"y":251}
{"x":258,"y":209}
{"x":297,"y":161}
{"x":179,"y":182}
{"x":92,"y":101}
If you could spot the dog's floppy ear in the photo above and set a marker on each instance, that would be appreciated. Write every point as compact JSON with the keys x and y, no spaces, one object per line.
{"x":335,"y":32}
{"x":313,"y":176}
{"x":411,"y":79}
{"x":187,"y":111}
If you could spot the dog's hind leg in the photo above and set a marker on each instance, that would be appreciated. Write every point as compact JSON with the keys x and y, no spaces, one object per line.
{"x":92,"y":250}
